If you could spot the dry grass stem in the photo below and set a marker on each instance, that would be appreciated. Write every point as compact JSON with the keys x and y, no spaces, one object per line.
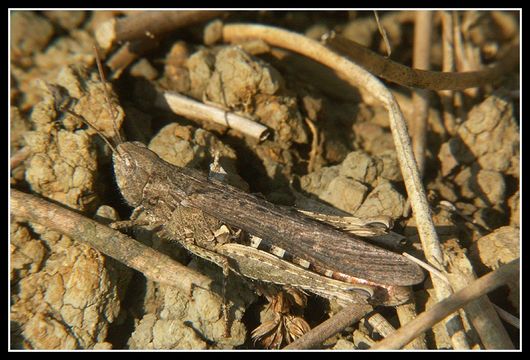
{"x":380,"y":324}
{"x":480,"y":312}
{"x":154,"y":265}
{"x":448,"y":65}
{"x":383,"y":34}
{"x":184,"y":106}
{"x":463,"y":56}
{"x":506,"y":316}
{"x":142,"y":32}
{"x":427,"y":267}
{"x":330,"y":327}
{"x":420,"y":97}
{"x":426,"y":320}
{"x":127,"y":54}
{"x":406,"y":313}
{"x":315,"y":146}
{"x":148,"y":25}
{"x":423,"y":79}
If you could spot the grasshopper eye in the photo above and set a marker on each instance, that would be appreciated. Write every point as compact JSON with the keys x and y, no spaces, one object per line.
{"x":139,"y":144}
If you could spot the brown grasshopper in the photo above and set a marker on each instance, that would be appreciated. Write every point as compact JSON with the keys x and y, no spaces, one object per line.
{"x":190,"y":208}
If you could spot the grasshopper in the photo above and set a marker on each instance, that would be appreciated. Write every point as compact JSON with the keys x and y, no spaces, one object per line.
{"x":191,"y":207}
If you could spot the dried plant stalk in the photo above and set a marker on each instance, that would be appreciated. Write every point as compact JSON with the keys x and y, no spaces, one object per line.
{"x":420,"y":97}
{"x":147,"y":25}
{"x":154,"y":265}
{"x":330,"y":327}
{"x":439,"y":311}
{"x":406,"y":313}
{"x":380,"y":324}
{"x":424,"y":79}
{"x":184,"y":106}
{"x":127,"y":54}
{"x":447,"y":96}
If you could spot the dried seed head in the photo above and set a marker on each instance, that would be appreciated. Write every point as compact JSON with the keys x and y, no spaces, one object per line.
{"x":283,"y":324}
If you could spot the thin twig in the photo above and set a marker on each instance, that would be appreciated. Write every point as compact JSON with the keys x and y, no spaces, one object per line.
{"x":427,"y":267}
{"x":330,"y":327}
{"x":506,"y":316}
{"x":432,"y":80}
{"x":471,"y":51}
{"x":127,"y":54}
{"x":384,"y":328}
{"x":154,"y":265}
{"x":480,"y":312}
{"x":142,"y":32}
{"x":448,"y":65}
{"x":315,"y":148}
{"x":184,"y":106}
{"x":369,"y":85}
{"x":460,"y":58}
{"x":487,"y":323}
{"x":461,"y":55}
{"x":380,"y":324}
{"x":383,"y":34}
{"x":439,"y":311}
{"x":406,"y":313}
{"x":459,"y":65}
{"x":420,"y":97}
{"x":148,"y":25}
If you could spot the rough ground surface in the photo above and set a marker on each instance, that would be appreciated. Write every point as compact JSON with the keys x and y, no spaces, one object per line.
{"x":326,"y":143}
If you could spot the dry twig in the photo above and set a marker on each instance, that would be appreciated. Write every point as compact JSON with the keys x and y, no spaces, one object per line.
{"x":439,"y":311}
{"x":448,"y":65}
{"x":315,"y":146}
{"x":506,"y":316}
{"x":432,"y":80}
{"x":467,"y":54}
{"x":184,"y":106}
{"x":330,"y":327}
{"x":420,"y":97}
{"x":380,"y":324}
{"x":154,"y":265}
{"x":480,"y":312}
{"x":127,"y":54}
{"x":148,"y":25}
{"x":429,"y":268}
{"x":406,"y":313}
{"x":142,"y":32}
{"x":382,"y":31}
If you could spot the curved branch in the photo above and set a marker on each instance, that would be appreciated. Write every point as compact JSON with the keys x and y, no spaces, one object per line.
{"x":432,"y":80}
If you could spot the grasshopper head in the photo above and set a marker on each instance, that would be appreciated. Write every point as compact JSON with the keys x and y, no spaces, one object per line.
{"x":133,"y":164}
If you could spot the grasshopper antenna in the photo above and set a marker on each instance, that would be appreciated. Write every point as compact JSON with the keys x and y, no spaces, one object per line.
{"x":107,"y":97}
{"x":84,"y":121}
{"x":60,"y":106}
